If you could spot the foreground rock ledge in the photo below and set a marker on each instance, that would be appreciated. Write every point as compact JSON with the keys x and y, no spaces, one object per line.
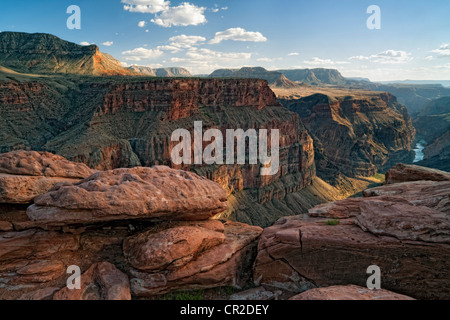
{"x":27,"y":174}
{"x":158,"y":193}
{"x":102,"y":281}
{"x":403,"y":228}
{"x":350,"y":292}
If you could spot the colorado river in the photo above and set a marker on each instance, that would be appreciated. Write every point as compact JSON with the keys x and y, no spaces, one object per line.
{"x":419,"y":150}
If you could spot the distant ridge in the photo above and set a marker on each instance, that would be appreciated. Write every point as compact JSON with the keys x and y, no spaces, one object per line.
{"x":275,"y":78}
{"x":41,"y":53}
{"x":161,"y":72}
{"x":317,"y":77}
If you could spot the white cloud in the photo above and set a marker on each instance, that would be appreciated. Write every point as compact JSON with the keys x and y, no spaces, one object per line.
{"x":138,"y":54}
{"x":142,"y":24}
{"x":294,"y":54}
{"x":386,"y":57}
{"x":145,"y":6}
{"x":238,"y":34}
{"x":185,"y":14}
{"x":108,"y":43}
{"x":85,"y":43}
{"x":443,"y":50}
{"x":323,"y":62}
{"x":215,"y":10}
{"x":172,"y":49}
{"x":265,"y":60}
{"x":202,"y":60}
{"x":429,"y":58}
{"x":184,"y":41}
{"x":224,"y":8}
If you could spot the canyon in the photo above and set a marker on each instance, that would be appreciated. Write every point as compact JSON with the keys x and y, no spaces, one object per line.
{"x":110,"y":123}
{"x":355,"y":133}
{"x":88,"y":179}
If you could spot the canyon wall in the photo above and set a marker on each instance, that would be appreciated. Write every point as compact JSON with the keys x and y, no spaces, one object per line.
{"x":357,"y":134}
{"x":109,"y":123}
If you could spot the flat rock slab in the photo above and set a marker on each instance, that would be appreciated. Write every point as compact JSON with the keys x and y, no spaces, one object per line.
{"x":403,"y":228}
{"x":298,"y":254}
{"x":158,"y":193}
{"x":410,"y":172}
{"x":25,"y":175}
{"x":33,"y":163}
{"x":102,"y":281}
{"x":350,"y":292}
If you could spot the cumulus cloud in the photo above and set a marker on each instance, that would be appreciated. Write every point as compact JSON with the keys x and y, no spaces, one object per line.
{"x":85,"y":43}
{"x":323,"y":62}
{"x":142,"y":24}
{"x":294,"y":54}
{"x":386,"y":57}
{"x":145,"y":6}
{"x":138,"y":54}
{"x":443,"y":50}
{"x":184,"y":41}
{"x":185,"y":14}
{"x":238,"y":34}
{"x":108,"y":43}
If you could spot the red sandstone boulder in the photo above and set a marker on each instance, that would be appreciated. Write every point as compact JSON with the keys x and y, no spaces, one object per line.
{"x":402,"y":228}
{"x":27,"y":174}
{"x":225,"y":264}
{"x":157,"y":193}
{"x":409,"y":172}
{"x":171,"y":248}
{"x":350,"y":292}
{"x":102,"y":281}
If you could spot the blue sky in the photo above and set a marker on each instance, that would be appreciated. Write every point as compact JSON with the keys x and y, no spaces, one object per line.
{"x":203,"y":35}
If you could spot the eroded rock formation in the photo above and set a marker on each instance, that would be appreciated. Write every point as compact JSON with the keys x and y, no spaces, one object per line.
{"x":138,"y":232}
{"x":27,"y":174}
{"x":403,"y":228}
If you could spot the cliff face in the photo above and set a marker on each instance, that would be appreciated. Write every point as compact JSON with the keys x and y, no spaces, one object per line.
{"x":433,"y":126}
{"x":275,"y":79}
{"x":356,"y":135}
{"x":110,"y":123}
{"x":44,"y":53}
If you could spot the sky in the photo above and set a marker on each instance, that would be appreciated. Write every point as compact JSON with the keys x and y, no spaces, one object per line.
{"x":412,"y":42}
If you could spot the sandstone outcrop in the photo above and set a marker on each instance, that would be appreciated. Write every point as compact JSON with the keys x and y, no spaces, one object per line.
{"x":408,"y":172}
{"x":227,"y":263}
{"x":350,"y":292}
{"x":27,"y":174}
{"x":102,"y":281}
{"x":403,"y":228}
{"x":137,"y":193}
{"x":138,"y":232}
